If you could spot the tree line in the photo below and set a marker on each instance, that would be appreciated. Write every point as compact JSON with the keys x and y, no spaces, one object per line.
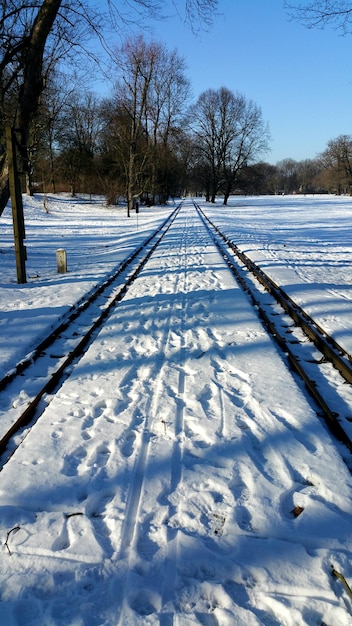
{"x":147,"y":141}
{"x":35,"y":37}
{"x":329,"y":172}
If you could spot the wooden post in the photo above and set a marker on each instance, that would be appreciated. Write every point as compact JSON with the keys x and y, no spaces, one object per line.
{"x":17,"y":206}
{"x":61,"y":259}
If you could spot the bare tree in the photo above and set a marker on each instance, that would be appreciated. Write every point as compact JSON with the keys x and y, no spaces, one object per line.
{"x":319,"y":13}
{"x":77,"y":136}
{"x":230,"y":133}
{"x":250,"y":142}
{"x":307,"y":172}
{"x":22,"y":53}
{"x":168,"y":96}
{"x":114,"y":149}
{"x":47,"y":128}
{"x":337,"y":162}
{"x":136,"y":61}
{"x":32,"y":37}
{"x":26,"y":30}
{"x":151,"y":94}
{"x":287,"y":176}
{"x":209,"y":134}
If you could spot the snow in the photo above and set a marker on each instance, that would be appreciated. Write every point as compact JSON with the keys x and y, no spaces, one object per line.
{"x":162,"y":485}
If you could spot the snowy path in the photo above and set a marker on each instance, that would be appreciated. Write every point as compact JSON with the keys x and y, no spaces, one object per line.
{"x":161,"y":487}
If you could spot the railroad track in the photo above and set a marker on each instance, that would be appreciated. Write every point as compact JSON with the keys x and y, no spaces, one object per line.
{"x":46,"y":366}
{"x":150,"y":401}
{"x":296,"y":333}
{"x":29,"y":384}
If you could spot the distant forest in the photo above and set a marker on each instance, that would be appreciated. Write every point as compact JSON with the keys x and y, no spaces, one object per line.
{"x":147,"y":141}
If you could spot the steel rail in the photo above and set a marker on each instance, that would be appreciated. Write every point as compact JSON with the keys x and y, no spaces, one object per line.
{"x":58,"y":375}
{"x":326,"y":344}
{"x":322,"y":341}
{"x":76,"y":310}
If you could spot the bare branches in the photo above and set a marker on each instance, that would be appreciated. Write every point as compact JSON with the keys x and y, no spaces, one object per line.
{"x":200,"y":11}
{"x":337,"y":160}
{"x":35,"y":35}
{"x":321,"y":13}
{"x":230,"y":133}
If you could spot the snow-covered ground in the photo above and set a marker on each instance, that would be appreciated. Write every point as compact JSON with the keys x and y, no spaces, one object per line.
{"x":162,"y":486}
{"x":96,"y":239}
{"x":305,"y":245}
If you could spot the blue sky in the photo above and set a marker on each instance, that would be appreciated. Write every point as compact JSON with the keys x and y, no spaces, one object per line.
{"x":301,"y":79}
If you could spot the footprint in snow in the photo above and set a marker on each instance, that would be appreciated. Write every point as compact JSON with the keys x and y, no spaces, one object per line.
{"x":128,"y":443}
{"x":99,"y":408}
{"x":88,"y":422}
{"x":100,"y":456}
{"x":73,"y":461}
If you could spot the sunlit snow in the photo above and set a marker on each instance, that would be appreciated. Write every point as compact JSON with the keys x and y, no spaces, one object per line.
{"x":180,"y":475}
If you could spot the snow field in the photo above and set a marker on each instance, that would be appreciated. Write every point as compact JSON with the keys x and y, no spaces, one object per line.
{"x":161,"y":486}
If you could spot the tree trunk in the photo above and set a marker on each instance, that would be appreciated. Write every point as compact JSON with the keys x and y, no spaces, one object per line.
{"x":4,"y":184}
{"x":213,"y":192}
{"x":227,"y":194}
{"x":32,"y":85}
{"x":130,"y":182}
{"x":29,"y":184}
